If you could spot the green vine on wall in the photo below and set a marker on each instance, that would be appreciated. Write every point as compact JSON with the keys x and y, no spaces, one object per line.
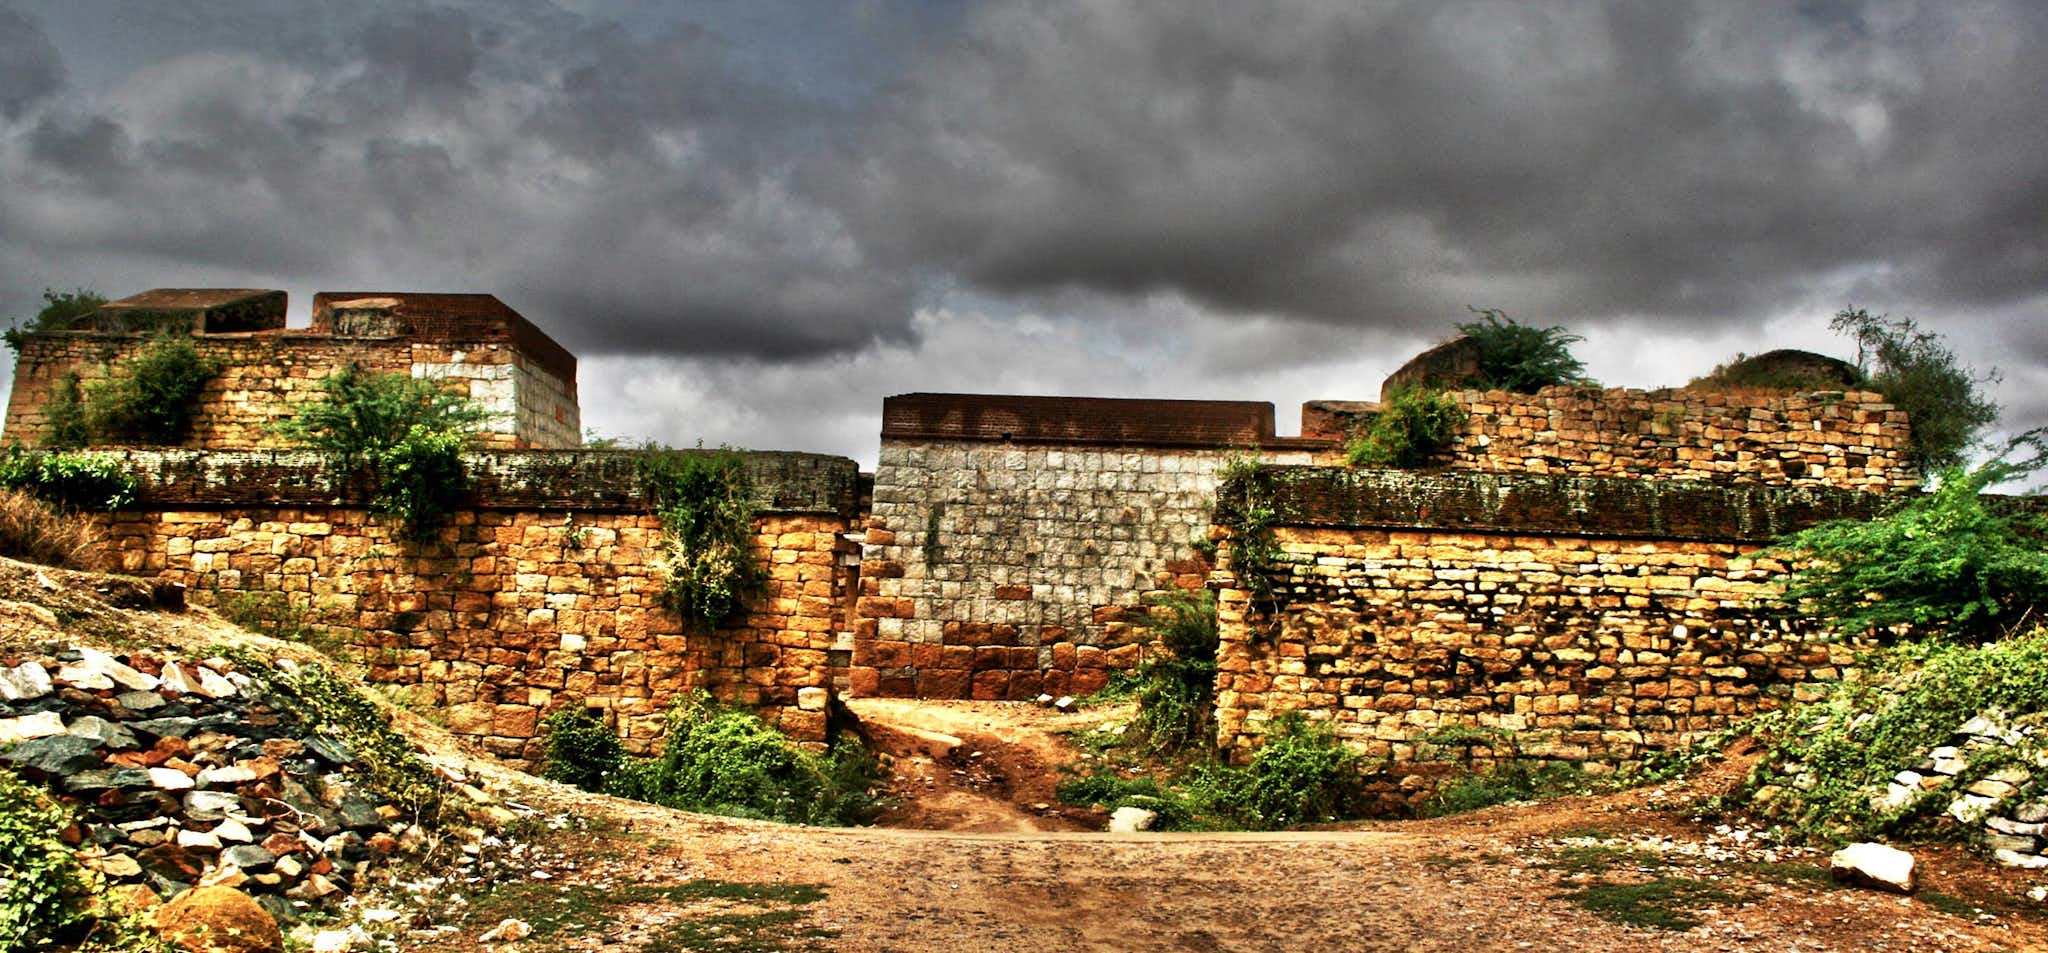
{"x":705,"y":558}
{"x":1254,"y":550}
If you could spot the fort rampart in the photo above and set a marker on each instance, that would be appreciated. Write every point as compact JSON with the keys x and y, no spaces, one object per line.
{"x":540,"y":593}
{"x":1437,"y":621}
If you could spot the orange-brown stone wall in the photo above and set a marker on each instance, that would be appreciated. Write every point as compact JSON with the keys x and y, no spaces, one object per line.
{"x":507,"y":615}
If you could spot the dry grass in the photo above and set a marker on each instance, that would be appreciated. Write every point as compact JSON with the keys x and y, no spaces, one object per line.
{"x":34,"y":531}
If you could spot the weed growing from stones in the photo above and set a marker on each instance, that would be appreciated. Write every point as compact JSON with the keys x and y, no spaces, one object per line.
{"x":1176,"y":689}
{"x":94,"y":482}
{"x":1519,"y":357}
{"x":405,"y":434}
{"x":152,"y":397}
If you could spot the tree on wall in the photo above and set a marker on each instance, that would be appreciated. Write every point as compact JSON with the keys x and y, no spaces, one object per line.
{"x":1519,"y":357}
{"x":1921,"y":376}
{"x":61,"y":311}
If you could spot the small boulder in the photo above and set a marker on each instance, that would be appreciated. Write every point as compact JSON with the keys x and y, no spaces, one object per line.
{"x":1873,"y":865}
{"x":217,"y":920}
{"x":506,"y":931}
{"x":1131,"y":820}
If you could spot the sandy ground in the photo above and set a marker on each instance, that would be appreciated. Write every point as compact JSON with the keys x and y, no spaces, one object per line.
{"x":1014,"y":881}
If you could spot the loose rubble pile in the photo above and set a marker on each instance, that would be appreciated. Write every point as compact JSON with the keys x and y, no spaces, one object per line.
{"x":185,"y":774}
{"x":2014,"y":827}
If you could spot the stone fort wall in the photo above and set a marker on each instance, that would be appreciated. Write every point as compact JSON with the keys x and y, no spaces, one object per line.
{"x":1013,"y":539}
{"x":474,"y":342}
{"x":539,"y":595}
{"x":1852,"y":439}
{"x":1590,"y":619}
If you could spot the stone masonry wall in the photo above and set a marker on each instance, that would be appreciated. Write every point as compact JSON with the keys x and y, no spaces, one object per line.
{"x":266,"y":375}
{"x":541,"y":595}
{"x":1853,"y":439}
{"x":1597,"y":620}
{"x":999,"y":569}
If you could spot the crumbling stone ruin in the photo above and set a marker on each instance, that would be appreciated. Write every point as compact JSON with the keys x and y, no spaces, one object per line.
{"x":1579,"y":567}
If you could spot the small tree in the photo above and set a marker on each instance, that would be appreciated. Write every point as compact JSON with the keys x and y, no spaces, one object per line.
{"x":150,"y":398}
{"x":1519,"y":357}
{"x":61,"y":311}
{"x":405,"y":432}
{"x":1942,"y":563}
{"x":1921,"y":376}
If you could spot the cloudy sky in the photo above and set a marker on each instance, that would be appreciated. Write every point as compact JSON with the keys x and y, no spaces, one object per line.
{"x":753,"y":220}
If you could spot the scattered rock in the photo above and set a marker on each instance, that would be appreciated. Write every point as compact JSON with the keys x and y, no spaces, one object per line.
{"x":1131,"y":820}
{"x":1873,"y":865}
{"x":218,"y":920}
{"x":506,"y":931}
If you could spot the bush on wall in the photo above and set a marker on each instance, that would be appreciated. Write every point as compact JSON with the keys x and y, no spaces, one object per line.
{"x":1920,"y":375}
{"x":705,"y":558}
{"x":1413,"y":427}
{"x":79,"y":481}
{"x":406,"y":433}
{"x":150,"y":398}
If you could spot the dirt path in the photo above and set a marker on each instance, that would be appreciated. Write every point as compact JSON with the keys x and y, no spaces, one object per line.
{"x":1506,"y":879}
{"x":976,"y":767}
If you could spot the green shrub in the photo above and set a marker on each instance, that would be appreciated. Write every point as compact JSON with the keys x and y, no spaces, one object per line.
{"x":1516,"y":779}
{"x":1519,"y":357}
{"x":61,"y":311}
{"x":149,"y":398}
{"x":44,"y":893}
{"x":406,"y":433}
{"x":581,"y":749}
{"x":1176,"y":689}
{"x":1413,"y":427}
{"x":1302,"y":775}
{"x":1919,"y":374}
{"x":65,"y":423}
{"x":1827,"y":762}
{"x":721,"y":760}
{"x":1941,"y":563}
{"x":91,"y":482}
{"x":705,"y":559}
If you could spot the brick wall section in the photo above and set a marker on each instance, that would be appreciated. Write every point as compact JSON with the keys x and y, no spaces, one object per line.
{"x":541,"y":595}
{"x":1001,"y":569}
{"x":266,"y":375}
{"x":1598,"y":619}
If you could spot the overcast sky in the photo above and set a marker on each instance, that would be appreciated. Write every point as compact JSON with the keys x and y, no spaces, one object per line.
{"x":753,"y":220}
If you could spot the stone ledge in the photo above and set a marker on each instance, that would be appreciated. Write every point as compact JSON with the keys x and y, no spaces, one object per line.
{"x":784,"y":482}
{"x":1598,"y":507}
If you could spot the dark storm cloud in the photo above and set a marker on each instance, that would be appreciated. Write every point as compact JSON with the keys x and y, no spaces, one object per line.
{"x":630,"y":188}
{"x":29,"y":69}
{"x":1388,"y":163}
